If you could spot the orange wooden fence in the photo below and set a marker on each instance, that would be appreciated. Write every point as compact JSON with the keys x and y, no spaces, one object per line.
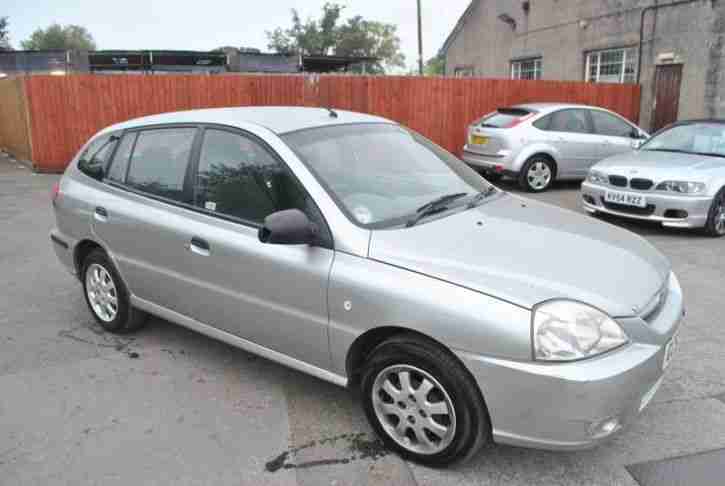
{"x":65,"y":111}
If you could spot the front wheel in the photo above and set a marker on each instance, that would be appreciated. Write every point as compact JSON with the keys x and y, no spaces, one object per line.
{"x":422,"y":403}
{"x":715,"y":225}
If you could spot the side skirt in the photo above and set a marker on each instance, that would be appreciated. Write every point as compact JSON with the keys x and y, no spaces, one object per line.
{"x":237,"y":342}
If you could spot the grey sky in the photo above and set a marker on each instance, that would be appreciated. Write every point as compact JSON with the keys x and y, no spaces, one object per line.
{"x":169,"y":24}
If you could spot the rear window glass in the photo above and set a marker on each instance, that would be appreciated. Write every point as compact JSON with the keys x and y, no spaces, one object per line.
{"x":159,"y":162}
{"x":504,"y":117}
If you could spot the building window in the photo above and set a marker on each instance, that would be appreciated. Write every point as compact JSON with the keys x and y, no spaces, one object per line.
{"x":463,"y":71}
{"x":612,"y":66}
{"x":526,"y":69}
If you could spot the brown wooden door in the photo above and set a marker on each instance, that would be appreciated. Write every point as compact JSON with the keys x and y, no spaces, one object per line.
{"x":667,"y":95}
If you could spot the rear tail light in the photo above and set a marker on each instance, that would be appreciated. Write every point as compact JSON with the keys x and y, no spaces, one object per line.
{"x":55,"y":192}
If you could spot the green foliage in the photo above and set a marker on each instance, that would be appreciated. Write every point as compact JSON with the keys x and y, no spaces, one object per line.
{"x":327,"y":36}
{"x":435,"y":66}
{"x":4,"y":34}
{"x":57,"y":36}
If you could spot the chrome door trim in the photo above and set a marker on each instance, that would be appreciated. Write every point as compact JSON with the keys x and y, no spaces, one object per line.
{"x":237,"y":342}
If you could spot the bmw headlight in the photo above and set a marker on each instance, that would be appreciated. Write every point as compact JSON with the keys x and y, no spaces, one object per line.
{"x":683,"y":187}
{"x":565,"y":330}
{"x":597,"y":177}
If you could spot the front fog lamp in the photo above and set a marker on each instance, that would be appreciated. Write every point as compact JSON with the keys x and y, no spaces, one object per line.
{"x":565,"y":330}
{"x":683,"y":187}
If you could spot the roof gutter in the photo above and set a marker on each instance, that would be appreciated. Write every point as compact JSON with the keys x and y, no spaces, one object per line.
{"x":641,"y":27}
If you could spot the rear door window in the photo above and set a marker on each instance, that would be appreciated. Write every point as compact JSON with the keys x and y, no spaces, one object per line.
{"x":117,"y":171}
{"x":610,"y":125}
{"x":159,"y":162}
{"x":572,"y":121}
{"x":93,"y":161}
{"x":238,"y":177}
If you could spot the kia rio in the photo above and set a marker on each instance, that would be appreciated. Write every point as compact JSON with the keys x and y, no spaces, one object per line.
{"x":353,"y":249}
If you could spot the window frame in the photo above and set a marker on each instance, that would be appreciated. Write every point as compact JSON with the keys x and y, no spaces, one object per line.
{"x":326,"y":240}
{"x":538,"y":68}
{"x":599,"y":52}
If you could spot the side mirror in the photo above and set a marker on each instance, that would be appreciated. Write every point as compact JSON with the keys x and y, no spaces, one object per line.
{"x":288,"y":227}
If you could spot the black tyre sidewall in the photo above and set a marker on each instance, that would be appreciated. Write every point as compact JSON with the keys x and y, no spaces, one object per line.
{"x":122,"y":315}
{"x":524,"y":179}
{"x":470,"y":420}
{"x":710,"y":224}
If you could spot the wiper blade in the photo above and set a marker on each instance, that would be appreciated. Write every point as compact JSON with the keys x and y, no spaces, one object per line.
{"x":676,"y":151}
{"x":481,"y":196}
{"x":433,"y":207}
{"x":710,"y":154}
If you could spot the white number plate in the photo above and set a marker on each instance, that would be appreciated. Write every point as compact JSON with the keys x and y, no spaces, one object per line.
{"x":670,"y":351}
{"x":626,"y":198}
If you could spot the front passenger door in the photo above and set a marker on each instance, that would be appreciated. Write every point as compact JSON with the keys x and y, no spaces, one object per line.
{"x":616,"y":134}
{"x":272,"y":295}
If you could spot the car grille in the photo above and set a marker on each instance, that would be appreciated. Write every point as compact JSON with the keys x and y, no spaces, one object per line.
{"x":618,"y":181}
{"x":623,"y":208}
{"x":641,"y":184}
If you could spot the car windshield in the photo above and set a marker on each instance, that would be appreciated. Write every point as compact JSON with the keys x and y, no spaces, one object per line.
{"x":693,"y":138}
{"x":382,"y":174}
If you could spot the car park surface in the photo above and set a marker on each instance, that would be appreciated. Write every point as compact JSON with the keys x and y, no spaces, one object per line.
{"x":112,"y":406}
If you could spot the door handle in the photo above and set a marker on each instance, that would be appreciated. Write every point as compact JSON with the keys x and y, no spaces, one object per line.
{"x":199,"y":246}
{"x":100,"y":214}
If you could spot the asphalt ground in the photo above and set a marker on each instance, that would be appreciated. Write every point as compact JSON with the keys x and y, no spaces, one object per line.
{"x":169,"y":406}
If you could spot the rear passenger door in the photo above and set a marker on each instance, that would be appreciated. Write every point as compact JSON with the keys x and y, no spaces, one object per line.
{"x":139,"y":220}
{"x":570,"y":132}
{"x":616,"y":134}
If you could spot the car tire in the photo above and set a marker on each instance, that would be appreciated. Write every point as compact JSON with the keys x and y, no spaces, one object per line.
{"x":537,"y":174}
{"x":715,"y":225}
{"x":107,"y":296}
{"x":452,"y":404}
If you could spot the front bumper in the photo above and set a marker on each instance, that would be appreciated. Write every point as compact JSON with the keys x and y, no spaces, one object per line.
{"x":561,"y":406}
{"x":661,"y":208}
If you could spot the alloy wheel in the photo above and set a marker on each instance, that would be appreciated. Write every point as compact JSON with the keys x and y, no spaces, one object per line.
{"x":719,"y":218}
{"x":101,"y":292}
{"x":414,"y":409}
{"x":538,"y":175}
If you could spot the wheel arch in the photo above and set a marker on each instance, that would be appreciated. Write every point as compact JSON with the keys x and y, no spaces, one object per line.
{"x":81,"y":250}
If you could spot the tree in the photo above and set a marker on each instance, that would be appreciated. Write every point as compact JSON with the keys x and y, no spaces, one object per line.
{"x":58,"y":36}
{"x":4,"y":35}
{"x":326,"y":36}
{"x":435,"y":66}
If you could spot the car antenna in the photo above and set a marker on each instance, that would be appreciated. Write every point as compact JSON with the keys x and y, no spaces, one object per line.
{"x":333,"y":113}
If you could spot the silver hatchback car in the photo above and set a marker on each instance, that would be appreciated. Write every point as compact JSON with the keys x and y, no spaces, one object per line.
{"x":352,"y":249}
{"x":541,"y":142}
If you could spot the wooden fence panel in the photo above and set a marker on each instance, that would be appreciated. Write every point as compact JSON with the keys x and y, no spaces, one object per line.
{"x":14,"y":130}
{"x":65,"y":111}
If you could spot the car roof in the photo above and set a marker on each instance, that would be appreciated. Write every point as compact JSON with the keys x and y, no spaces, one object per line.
{"x":279,"y":119}
{"x":549,"y":107}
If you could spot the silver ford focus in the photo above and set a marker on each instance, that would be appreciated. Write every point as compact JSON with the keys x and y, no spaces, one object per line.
{"x":538,"y":143}
{"x":676,"y":179}
{"x":353,"y":249}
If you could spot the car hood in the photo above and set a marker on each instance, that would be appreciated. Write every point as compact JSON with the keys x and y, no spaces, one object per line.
{"x":662,"y":165}
{"x":526,"y":252}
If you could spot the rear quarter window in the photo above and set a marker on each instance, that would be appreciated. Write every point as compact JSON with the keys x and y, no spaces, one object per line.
{"x":94,"y":159}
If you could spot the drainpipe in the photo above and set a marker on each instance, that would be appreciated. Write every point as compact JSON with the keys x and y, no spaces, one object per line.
{"x":641,"y":27}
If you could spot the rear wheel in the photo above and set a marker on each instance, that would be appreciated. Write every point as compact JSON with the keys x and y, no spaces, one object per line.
{"x":537,"y":174}
{"x":715,"y":225}
{"x":422,"y":403}
{"x":107,"y":296}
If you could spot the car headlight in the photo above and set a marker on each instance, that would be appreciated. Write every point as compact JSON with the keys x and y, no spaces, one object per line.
{"x":565,"y":330}
{"x":682,"y":187}
{"x":597,"y":177}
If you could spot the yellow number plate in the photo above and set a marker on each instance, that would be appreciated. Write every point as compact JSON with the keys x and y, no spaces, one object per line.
{"x":479,"y":140}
